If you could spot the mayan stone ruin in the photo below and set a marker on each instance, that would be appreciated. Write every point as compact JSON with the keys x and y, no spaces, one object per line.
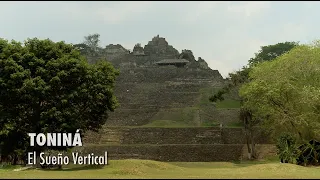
{"x":164,"y":111}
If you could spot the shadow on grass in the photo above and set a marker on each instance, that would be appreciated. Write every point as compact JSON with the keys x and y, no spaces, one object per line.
{"x":9,"y":167}
{"x":77,"y":168}
{"x":246,"y":163}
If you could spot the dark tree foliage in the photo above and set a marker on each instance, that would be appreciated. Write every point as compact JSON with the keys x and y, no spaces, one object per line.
{"x":270,"y":52}
{"x":48,"y":86}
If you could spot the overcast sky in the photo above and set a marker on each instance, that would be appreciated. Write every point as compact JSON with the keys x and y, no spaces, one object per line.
{"x":225,"y":34}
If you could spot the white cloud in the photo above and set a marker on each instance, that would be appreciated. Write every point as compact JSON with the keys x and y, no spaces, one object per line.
{"x":123,"y":11}
{"x":223,"y":68}
{"x":225,"y":34}
{"x":292,"y":31}
{"x":199,"y":9}
{"x":250,"y":8}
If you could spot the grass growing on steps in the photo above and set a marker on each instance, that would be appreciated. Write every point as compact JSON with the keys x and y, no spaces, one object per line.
{"x":210,"y":124}
{"x":189,"y":116}
{"x":228,"y":103}
{"x":235,"y":124}
{"x":132,"y":168}
{"x":206,"y":93}
{"x":166,"y":123}
{"x":174,"y":117}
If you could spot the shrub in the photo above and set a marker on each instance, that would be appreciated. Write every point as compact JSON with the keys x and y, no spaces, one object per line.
{"x":287,"y":149}
{"x":309,"y":153}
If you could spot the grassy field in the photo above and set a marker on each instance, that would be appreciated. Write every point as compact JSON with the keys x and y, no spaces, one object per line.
{"x":153,"y":169}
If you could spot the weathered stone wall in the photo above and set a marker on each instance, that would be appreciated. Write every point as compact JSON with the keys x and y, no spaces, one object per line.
{"x":162,"y":74}
{"x":140,"y":101}
{"x":196,"y":135}
{"x":225,"y":116}
{"x":173,"y":136}
{"x":115,"y":49}
{"x":177,"y":152}
{"x":159,"y":46}
{"x":174,"y":153}
{"x":175,"y":144}
{"x":143,"y":88}
{"x":142,"y":92}
{"x":263,"y":151}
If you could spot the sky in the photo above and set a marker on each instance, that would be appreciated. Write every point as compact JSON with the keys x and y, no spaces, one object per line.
{"x":225,"y":34}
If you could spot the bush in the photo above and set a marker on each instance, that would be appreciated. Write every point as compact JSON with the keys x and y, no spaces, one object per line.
{"x":309,"y":153}
{"x":287,"y":149}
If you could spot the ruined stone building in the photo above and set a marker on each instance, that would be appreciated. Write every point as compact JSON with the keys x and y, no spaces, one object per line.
{"x":153,"y":71}
{"x":159,"y":84}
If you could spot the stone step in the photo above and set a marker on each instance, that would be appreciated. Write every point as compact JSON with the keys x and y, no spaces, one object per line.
{"x":177,"y":153}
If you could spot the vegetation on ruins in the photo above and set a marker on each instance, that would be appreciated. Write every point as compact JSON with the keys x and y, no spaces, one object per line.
{"x":138,"y":45}
{"x":237,"y":79}
{"x":290,"y":103}
{"x":48,"y":86}
{"x":187,"y":54}
{"x":53,"y":88}
{"x":90,"y":45}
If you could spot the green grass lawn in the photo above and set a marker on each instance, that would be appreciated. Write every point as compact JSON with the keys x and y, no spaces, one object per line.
{"x":153,"y":169}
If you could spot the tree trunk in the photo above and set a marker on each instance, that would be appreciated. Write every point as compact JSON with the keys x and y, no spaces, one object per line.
{"x":38,"y":158}
{"x":248,"y":145}
{"x":253,"y":149}
{"x":15,"y":159}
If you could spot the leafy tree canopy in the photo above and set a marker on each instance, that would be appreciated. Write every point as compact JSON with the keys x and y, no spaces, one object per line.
{"x":287,"y":90}
{"x":270,"y":52}
{"x":48,"y":86}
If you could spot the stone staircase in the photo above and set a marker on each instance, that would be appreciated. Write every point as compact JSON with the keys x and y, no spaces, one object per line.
{"x":112,"y":137}
{"x":171,"y":144}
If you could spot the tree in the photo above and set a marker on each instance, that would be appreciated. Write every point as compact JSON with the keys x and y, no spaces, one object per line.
{"x":287,"y":91}
{"x":241,"y":77}
{"x":92,"y":40}
{"x":138,"y":45}
{"x":236,"y":80}
{"x":90,"y":46}
{"x":188,"y":55}
{"x":84,"y":49}
{"x":270,"y":52}
{"x":49,"y":87}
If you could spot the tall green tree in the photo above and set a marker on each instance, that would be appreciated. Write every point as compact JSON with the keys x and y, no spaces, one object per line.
{"x":241,"y":77}
{"x":92,"y":40}
{"x":84,"y":49}
{"x":287,"y":90}
{"x":90,"y":46}
{"x":270,"y":52}
{"x":48,"y":86}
